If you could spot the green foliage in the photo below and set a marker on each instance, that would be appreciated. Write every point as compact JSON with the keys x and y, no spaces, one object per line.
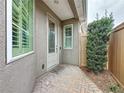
{"x":115,"y":88}
{"x":97,"y":43}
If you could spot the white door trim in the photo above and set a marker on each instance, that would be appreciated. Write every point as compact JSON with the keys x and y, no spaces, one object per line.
{"x":51,"y":18}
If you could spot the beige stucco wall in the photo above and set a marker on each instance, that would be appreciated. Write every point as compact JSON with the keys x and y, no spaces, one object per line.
{"x":41,"y":35}
{"x":19,"y":76}
{"x":60,"y":44}
{"x":71,"y":56}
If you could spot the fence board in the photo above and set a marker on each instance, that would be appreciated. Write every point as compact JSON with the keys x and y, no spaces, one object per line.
{"x":116,"y":54}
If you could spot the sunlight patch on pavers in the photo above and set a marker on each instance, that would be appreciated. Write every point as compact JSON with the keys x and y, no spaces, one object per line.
{"x":65,"y":79}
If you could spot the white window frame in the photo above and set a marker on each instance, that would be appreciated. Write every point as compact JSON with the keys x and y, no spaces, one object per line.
{"x":69,"y":25}
{"x":9,"y":52}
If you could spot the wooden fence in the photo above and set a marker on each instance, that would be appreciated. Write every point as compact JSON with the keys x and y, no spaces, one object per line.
{"x":116,"y":54}
{"x":83,"y":43}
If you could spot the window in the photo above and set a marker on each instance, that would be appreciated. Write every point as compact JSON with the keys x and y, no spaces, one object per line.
{"x":68,"y":36}
{"x":20,"y":28}
{"x":51,"y":37}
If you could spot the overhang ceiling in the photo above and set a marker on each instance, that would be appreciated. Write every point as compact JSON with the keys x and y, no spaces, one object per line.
{"x":81,"y":6}
{"x":61,"y":8}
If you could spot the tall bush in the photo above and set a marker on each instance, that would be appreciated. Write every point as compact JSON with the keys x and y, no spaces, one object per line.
{"x":97,"y":43}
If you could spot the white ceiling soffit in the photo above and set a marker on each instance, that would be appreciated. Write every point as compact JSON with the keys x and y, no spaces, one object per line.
{"x":61,"y":8}
{"x":81,"y":7}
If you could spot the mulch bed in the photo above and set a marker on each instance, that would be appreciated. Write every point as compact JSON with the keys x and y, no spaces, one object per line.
{"x":103,"y":80}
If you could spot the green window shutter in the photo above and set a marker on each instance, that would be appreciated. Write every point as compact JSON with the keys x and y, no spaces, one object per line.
{"x":25,"y":24}
{"x":22,"y":26}
{"x":15,"y":37}
{"x":15,"y":29}
{"x":25,"y":39}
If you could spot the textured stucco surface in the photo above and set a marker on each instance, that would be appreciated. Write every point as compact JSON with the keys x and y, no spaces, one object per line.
{"x":19,"y":77}
{"x":2,"y":40}
{"x":2,"y":34}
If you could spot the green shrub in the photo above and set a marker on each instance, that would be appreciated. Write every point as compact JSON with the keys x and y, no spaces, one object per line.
{"x":115,"y":88}
{"x":97,"y":43}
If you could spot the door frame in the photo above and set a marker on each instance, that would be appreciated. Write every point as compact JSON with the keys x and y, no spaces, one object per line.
{"x":54,"y":20}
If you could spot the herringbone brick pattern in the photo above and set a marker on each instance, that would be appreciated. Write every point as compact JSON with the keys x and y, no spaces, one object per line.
{"x":65,"y":79}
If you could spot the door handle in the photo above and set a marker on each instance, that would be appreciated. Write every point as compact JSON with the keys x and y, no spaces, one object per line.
{"x":56,"y":48}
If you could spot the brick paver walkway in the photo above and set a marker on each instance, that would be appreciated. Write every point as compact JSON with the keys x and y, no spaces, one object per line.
{"x":65,"y":79}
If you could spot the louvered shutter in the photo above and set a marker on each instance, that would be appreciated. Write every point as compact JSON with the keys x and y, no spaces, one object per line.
{"x":22,"y":26}
{"x":25,"y":24}
{"x":15,"y":19}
